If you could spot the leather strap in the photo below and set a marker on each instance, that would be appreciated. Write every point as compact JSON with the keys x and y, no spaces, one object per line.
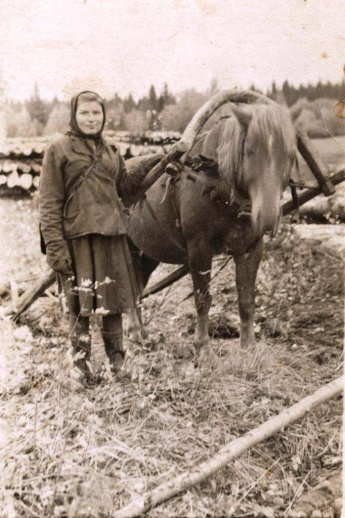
{"x":83,"y":176}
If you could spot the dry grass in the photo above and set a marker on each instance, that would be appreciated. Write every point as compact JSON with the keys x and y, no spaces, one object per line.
{"x":88,"y":453}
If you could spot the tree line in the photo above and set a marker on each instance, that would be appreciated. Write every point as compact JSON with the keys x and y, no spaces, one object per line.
{"x":163,"y":111}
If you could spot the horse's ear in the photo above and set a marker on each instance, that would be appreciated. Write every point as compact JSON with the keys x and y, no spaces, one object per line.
{"x":244,"y":115}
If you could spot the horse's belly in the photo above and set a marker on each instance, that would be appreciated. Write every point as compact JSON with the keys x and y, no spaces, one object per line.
{"x":157,"y":235}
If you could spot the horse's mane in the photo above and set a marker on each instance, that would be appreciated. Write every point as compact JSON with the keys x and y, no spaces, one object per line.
{"x":269,"y":123}
{"x":230,"y":154}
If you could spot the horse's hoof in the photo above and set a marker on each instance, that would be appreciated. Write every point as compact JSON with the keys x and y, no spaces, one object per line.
{"x":200,"y":343}
{"x":206,"y":358}
{"x":247,"y":344}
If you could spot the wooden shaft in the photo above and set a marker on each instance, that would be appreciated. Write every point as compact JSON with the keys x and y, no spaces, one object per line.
{"x":29,"y":297}
{"x":174,"y":154}
{"x":174,"y":276}
{"x":205,"y":112}
{"x":308,"y":195}
{"x":310,"y":155}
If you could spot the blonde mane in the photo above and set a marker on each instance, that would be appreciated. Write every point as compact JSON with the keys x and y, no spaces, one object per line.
{"x":269,"y":123}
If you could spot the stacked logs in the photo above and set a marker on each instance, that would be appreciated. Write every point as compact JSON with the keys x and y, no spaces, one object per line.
{"x":20,"y":174}
{"x":20,"y":164}
{"x":21,"y":160}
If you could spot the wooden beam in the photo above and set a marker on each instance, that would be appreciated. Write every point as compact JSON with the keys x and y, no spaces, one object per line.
{"x":29,"y":297}
{"x":174,"y":276}
{"x":311,"y":156}
{"x":309,"y":194}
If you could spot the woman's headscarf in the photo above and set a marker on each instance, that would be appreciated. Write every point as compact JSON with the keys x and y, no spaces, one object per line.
{"x":85,"y":96}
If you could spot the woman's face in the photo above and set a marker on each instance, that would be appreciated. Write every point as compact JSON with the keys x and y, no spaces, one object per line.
{"x":89,"y":117}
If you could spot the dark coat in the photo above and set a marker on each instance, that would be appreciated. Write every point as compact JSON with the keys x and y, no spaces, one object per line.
{"x":95,"y":207}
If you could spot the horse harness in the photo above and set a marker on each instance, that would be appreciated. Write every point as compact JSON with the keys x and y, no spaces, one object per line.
{"x":240,"y":204}
{"x":198,"y":164}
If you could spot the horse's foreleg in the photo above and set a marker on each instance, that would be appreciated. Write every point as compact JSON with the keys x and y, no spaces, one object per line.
{"x":246,"y":270}
{"x":200,"y":263}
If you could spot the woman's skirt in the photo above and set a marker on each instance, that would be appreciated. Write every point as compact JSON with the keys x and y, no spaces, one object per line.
{"x":104,"y":281}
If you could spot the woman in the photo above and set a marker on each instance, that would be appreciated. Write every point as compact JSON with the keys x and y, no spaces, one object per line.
{"x":84,"y":230}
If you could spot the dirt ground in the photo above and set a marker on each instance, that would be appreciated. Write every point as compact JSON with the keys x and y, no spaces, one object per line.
{"x":89,"y":453}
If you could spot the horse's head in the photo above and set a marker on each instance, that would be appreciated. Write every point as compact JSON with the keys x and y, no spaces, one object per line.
{"x":258,"y":151}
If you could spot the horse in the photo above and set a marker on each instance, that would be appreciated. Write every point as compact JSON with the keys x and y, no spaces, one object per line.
{"x":244,"y":163}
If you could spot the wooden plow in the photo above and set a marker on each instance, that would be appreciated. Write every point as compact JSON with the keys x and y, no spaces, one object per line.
{"x":326,"y":185}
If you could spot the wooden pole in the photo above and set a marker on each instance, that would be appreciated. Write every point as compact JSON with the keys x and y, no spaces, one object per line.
{"x":309,"y":194}
{"x":29,"y":297}
{"x":174,"y":154}
{"x":310,"y":155}
{"x":174,"y":276}
{"x":230,"y":451}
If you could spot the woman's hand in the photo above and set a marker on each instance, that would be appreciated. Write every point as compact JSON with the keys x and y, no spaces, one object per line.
{"x":58,"y":257}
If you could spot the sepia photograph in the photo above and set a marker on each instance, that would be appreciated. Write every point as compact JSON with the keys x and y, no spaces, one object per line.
{"x":172,"y":238}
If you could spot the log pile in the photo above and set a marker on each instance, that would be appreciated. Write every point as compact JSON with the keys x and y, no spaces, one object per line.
{"x":23,"y":174}
{"x":21,"y":162}
{"x":21,"y":159}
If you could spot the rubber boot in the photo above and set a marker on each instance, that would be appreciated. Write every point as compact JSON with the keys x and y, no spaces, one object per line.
{"x":113,"y":343}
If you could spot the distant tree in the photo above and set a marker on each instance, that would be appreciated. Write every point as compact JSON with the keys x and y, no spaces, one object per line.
{"x":129,"y":104}
{"x":279,"y":97}
{"x":144,"y":104}
{"x":115,"y":102}
{"x":309,"y":92}
{"x":318,"y":117}
{"x":255,"y":89}
{"x":58,"y":121}
{"x":170,"y":118}
{"x":165,"y":98}
{"x":2,"y":123}
{"x":137,"y":121}
{"x":39,"y":128}
{"x":115,"y":118}
{"x":175,"y":117}
{"x":288,"y":96}
{"x":8,"y":112}
{"x":20,"y":124}
{"x":37,"y":108}
{"x":153,"y":99}
{"x":51,"y":105}
{"x":169,"y":98}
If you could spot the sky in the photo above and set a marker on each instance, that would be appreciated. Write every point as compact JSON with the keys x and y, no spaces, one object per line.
{"x":124,"y":46}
